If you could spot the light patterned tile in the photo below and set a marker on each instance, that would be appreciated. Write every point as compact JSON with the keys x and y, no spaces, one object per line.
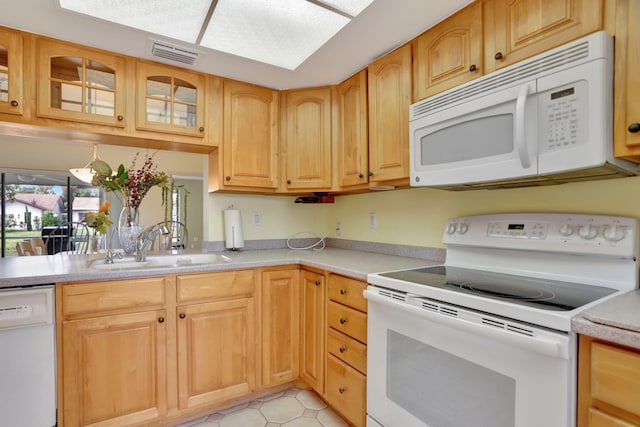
{"x":234,"y":408}
{"x":310,"y":400}
{"x":292,"y":392}
{"x":328,"y":418}
{"x":310,"y":413}
{"x":282,"y":409}
{"x":192,"y":423}
{"x":303,"y":422}
{"x":215,"y":418}
{"x":243,"y":418}
{"x":271,"y":397}
{"x":205,"y":424}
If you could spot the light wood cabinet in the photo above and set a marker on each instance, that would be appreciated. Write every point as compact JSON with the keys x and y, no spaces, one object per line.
{"x":248,"y":157}
{"x":80,"y":84}
{"x":113,"y":352}
{"x":346,"y":347}
{"x":450,"y":53}
{"x":353,"y":140}
{"x":312,"y":328}
{"x":626,"y":108}
{"x":11,"y":72}
{"x":216,"y":337}
{"x":307,"y":134}
{"x":170,"y":100}
{"x":518,"y":29}
{"x":280,"y":323}
{"x":390,"y":94}
{"x":608,"y":384}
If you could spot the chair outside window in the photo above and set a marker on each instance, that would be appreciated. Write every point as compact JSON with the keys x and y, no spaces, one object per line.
{"x":177,"y":238}
{"x":68,"y":237}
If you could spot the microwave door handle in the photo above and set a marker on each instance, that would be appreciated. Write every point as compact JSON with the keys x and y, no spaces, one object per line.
{"x":521,"y":141}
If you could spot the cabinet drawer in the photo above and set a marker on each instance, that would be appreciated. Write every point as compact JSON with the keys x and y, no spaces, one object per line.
{"x":348,"y":292}
{"x":600,"y":419}
{"x":346,"y":390}
{"x":347,"y":349}
{"x":615,"y":376}
{"x":91,"y":297}
{"x":224,"y":284}
{"x":348,"y":321}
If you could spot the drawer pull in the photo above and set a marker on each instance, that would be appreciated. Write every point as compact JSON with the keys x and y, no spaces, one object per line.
{"x":473,"y":68}
{"x":342,"y":349}
{"x":498,"y":56}
{"x":341,"y":390}
{"x":182,"y":315}
{"x":317,"y":282}
{"x":343,"y":320}
{"x":120,"y":117}
{"x":161,"y":320}
{"x":634,"y":127}
{"x":14,"y":103}
{"x":343,"y":291}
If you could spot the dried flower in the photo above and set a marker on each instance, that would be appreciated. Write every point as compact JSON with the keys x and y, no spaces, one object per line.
{"x":99,"y":220}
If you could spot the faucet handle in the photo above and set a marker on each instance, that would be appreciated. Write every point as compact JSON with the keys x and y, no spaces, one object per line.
{"x":111,"y":254}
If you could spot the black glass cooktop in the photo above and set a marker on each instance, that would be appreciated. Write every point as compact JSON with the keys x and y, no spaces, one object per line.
{"x":529,"y":291}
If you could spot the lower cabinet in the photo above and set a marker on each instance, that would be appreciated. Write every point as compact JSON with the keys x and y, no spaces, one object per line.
{"x":312,"y":328}
{"x":608,"y":384}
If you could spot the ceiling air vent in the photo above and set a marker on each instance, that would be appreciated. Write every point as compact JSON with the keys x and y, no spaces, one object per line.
{"x":172,"y":53}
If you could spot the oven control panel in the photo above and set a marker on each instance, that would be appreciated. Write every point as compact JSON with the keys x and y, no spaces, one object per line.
{"x":575,"y":233}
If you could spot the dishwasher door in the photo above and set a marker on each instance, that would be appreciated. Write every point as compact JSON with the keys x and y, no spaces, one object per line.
{"x":27,"y":357}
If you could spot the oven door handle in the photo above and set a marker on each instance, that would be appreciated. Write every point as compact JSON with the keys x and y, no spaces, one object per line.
{"x":537,"y":344}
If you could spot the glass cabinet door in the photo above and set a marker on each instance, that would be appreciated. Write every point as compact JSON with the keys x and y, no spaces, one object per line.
{"x":11,"y":78}
{"x":80,"y":84}
{"x":170,"y":100}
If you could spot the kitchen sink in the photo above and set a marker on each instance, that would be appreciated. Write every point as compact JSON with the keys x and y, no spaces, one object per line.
{"x":160,"y":261}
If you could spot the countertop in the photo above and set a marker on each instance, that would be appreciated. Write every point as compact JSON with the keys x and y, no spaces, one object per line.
{"x":616,"y":320}
{"x":35,"y":270}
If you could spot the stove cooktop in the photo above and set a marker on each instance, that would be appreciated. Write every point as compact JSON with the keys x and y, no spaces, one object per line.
{"x":520,"y":290}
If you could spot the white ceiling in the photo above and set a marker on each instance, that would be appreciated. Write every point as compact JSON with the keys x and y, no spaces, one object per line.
{"x":380,"y":28}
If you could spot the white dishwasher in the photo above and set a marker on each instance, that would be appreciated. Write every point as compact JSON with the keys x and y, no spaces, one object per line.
{"x":27,"y":357}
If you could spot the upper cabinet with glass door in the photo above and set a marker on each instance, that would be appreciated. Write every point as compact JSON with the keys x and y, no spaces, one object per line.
{"x":10,"y":72}
{"x":80,"y":84}
{"x":170,"y":100}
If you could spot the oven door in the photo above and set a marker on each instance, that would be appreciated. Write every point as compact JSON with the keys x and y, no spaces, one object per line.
{"x":437,"y":365}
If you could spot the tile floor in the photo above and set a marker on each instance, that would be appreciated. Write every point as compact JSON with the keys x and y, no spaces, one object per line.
{"x":289,"y":408}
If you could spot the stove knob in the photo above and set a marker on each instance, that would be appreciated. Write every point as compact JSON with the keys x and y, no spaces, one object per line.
{"x":566,"y":229}
{"x":613,"y":233}
{"x":463,"y":228}
{"x":588,"y":231}
{"x":451,"y":228}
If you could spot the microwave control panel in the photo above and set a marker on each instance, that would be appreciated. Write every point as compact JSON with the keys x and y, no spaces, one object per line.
{"x":562,"y":116}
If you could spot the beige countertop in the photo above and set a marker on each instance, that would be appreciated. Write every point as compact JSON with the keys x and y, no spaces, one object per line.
{"x":35,"y":270}
{"x":616,"y":320}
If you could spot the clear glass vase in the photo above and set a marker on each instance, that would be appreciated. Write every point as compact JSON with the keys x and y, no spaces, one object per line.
{"x":129,"y":226}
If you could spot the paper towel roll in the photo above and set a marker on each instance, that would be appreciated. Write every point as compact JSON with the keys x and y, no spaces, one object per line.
{"x":233,"y":229}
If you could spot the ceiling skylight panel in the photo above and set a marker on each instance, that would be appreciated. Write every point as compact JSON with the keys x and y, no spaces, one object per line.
{"x":352,"y":7}
{"x":178,"y":19}
{"x":278,"y":32}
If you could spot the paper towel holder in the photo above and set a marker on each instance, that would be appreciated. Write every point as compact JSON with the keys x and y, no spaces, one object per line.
{"x":234,"y":239}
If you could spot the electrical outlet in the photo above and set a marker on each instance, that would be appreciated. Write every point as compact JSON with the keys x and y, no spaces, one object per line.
{"x":257,"y":219}
{"x":338,"y":229}
{"x":373,"y":220}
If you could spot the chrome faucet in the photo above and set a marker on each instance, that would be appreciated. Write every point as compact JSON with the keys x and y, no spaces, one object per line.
{"x":144,"y":240}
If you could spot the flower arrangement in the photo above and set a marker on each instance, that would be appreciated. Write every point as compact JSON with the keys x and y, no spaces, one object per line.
{"x":100,"y":220}
{"x":132,"y":183}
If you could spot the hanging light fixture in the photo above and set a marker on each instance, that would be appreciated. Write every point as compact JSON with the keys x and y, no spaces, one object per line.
{"x":85,"y":174}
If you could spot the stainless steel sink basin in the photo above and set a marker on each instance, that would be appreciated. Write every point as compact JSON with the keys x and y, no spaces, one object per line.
{"x":160,"y":261}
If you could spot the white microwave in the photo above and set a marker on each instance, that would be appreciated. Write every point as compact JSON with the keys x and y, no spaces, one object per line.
{"x":545,"y":120}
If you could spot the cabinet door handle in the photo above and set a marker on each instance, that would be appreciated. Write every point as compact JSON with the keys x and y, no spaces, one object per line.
{"x":120,"y":117}
{"x":473,"y":68}
{"x":182,"y":315}
{"x":343,"y":321}
{"x":317,"y":282}
{"x":360,"y":176}
{"x":343,"y":291}
{"x":160,"y":319}
{"x":634,"y":127}
{"x":498,"y":56}
{"x":201,"y":128}
{"x":288,"y":181}
{"x":341,"y":390}
{"x":342,"y":349}
{"x":370,"y":173}
{"x":14,"y":103}
{"x":227,"y":178}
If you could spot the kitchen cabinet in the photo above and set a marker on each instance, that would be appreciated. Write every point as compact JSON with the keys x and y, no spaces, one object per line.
{"x":608,"y":384}
{"x":312,"y":328}
{"x":11,"y":72}
{"x":346,"y":347}
{"x":450,"y":53}
{"x":389,"y":90}
{"x":626,"y":108}
{"x":280,"y":312}
{"x":518,"y":29}
{"x":248,"y":157}
{"x":80,"y":84}
{"x":170,"y":100}
{"x":216,"y":338}
{"x":113,"y":352}
{"x":353,"y":140}
{"x":306,"y":123}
